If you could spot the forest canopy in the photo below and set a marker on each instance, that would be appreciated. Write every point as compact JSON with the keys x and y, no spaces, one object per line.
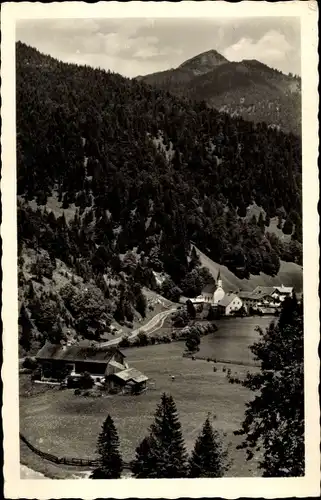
{"x":146,"y":170}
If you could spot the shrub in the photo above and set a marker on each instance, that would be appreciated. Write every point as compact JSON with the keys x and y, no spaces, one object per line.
{"x":36,"y":375}
{"x":142,"y":339}
{"x":30,"y":363}
{"x":72,"y":382}
{"x":86,"y":381}
{"x":124,"y":342}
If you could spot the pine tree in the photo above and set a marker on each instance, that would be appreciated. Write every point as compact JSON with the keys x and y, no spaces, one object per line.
{"x":110,"y":461}
{"x":267,"y":220}
{"x":162,"y":454}
{"x":288,"y":226}
{"x":208,"y":458}
{"x":274,"y":419}
{"x":191,"y":309}
{"x":260,"y":221}
{"x":26,"y":328}
{"x":141,"y":304}
{"x":145,"y":463}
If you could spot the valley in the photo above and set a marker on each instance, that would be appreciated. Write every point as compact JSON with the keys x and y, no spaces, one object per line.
{"x":50,"y":420}
{"x":134,"y":196}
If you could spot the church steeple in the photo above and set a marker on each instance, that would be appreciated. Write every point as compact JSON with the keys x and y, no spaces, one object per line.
{"x":219,"y":292}
{"x":219,"y":281}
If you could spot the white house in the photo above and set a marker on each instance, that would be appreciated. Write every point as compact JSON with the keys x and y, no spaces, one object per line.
{"x":229,"y":304}
{"x":280,"y":292}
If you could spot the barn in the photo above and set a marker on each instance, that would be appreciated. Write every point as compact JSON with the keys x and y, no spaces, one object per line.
{"x":106,"y":364}
{"x":75,"y":359}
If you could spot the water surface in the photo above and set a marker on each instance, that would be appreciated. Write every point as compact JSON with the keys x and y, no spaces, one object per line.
{"x":232,"y":340}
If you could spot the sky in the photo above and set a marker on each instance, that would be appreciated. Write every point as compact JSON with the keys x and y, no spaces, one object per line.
{"x":137,"y":46}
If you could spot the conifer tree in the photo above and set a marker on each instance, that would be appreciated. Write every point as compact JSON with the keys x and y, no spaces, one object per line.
{"x":110,"y":461}
{"x":260,"y":221}
{"x":267,"y":220}
{"x":162,"y":454}
{"x":208,"y":458}
{"x":26,"y":328}
{"x":145,"y":465}
{"x":274,"y":419}
{"x":191,"y":309}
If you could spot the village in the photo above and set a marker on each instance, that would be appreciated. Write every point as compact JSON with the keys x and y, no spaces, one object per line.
{"x":262,"y":300}
{"x":105,"y":365}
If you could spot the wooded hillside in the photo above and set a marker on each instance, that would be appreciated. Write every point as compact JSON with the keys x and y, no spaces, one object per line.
{"x":137,"y":168}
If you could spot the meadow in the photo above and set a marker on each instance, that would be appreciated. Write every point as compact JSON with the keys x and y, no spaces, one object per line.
{"x":62,"y":423}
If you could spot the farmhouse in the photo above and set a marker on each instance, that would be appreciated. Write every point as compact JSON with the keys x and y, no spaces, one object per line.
{"x":280,"y":292}
{"x":79,"y":358}
{"x":58,"y":361}
{"x":229,"y":304}
{"x":129,"y":379}
{"x":266,"y":299}
{"x":248,"y":299}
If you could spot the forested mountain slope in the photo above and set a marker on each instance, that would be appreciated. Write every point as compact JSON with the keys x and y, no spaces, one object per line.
{"x":248,"y":88}
{"x":290,"y":274}
{"x":136,"y":168}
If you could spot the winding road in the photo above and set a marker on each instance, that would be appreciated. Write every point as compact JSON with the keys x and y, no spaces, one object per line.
{"x":154,"y":324}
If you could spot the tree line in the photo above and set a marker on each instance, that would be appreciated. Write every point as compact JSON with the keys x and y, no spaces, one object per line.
{"x":273,"y":422}
{"x":145,"y":169}
{"x":162,"y":454}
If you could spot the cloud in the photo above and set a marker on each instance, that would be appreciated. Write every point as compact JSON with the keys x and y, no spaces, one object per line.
{"x":138,"y":46}
{"x":272,"y":48}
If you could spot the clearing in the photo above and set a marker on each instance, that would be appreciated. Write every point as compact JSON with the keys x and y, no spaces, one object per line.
{"x":290,"y":274}
{"x":67,"y":425}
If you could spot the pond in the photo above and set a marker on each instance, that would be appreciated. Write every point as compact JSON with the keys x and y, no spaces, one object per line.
{"x":232,"y":340}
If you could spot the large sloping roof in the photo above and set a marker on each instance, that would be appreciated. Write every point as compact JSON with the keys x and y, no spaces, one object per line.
{"x":227,"y":299}
{"x":284,"y":289}
{"x":77,"y":352}
{"x":260,"y":291}
{"x":245,"y":295}
{"x":131,"y":374}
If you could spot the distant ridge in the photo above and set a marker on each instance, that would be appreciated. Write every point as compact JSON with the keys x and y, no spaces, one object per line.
{"x":248,"y":88}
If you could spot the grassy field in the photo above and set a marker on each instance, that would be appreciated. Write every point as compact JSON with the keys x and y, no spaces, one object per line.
{"x":67,"y":425}
{"x":290,"y":274}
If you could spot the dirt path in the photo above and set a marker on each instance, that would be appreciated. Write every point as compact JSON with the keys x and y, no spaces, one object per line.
{"x":152,"y":326}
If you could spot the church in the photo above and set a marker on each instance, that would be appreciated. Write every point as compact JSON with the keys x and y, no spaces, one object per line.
{"x":212,"y":293}
{"x":215,"y":295}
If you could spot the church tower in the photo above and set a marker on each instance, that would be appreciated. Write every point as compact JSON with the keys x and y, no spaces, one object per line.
{"x":219,"y":292}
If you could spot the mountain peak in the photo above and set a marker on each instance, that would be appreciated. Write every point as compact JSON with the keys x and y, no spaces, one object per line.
{"x":204,"y":62}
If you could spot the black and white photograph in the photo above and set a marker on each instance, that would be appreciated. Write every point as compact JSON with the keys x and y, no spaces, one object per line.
{"x":163,"y":297}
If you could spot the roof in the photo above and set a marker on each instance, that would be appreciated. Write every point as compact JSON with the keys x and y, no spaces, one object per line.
{"x":225,"y":301}
{"x":131,"y":374}
{"x":284,"y":289}
{"x":246,"y":295}
{"x":260,"y":291}
{"x":209,"y":288}
{"x":77,"y":352}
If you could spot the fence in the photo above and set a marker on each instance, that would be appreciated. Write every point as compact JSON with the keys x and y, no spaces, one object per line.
{"x":80,"y":462}
{"x":222,"y":361}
